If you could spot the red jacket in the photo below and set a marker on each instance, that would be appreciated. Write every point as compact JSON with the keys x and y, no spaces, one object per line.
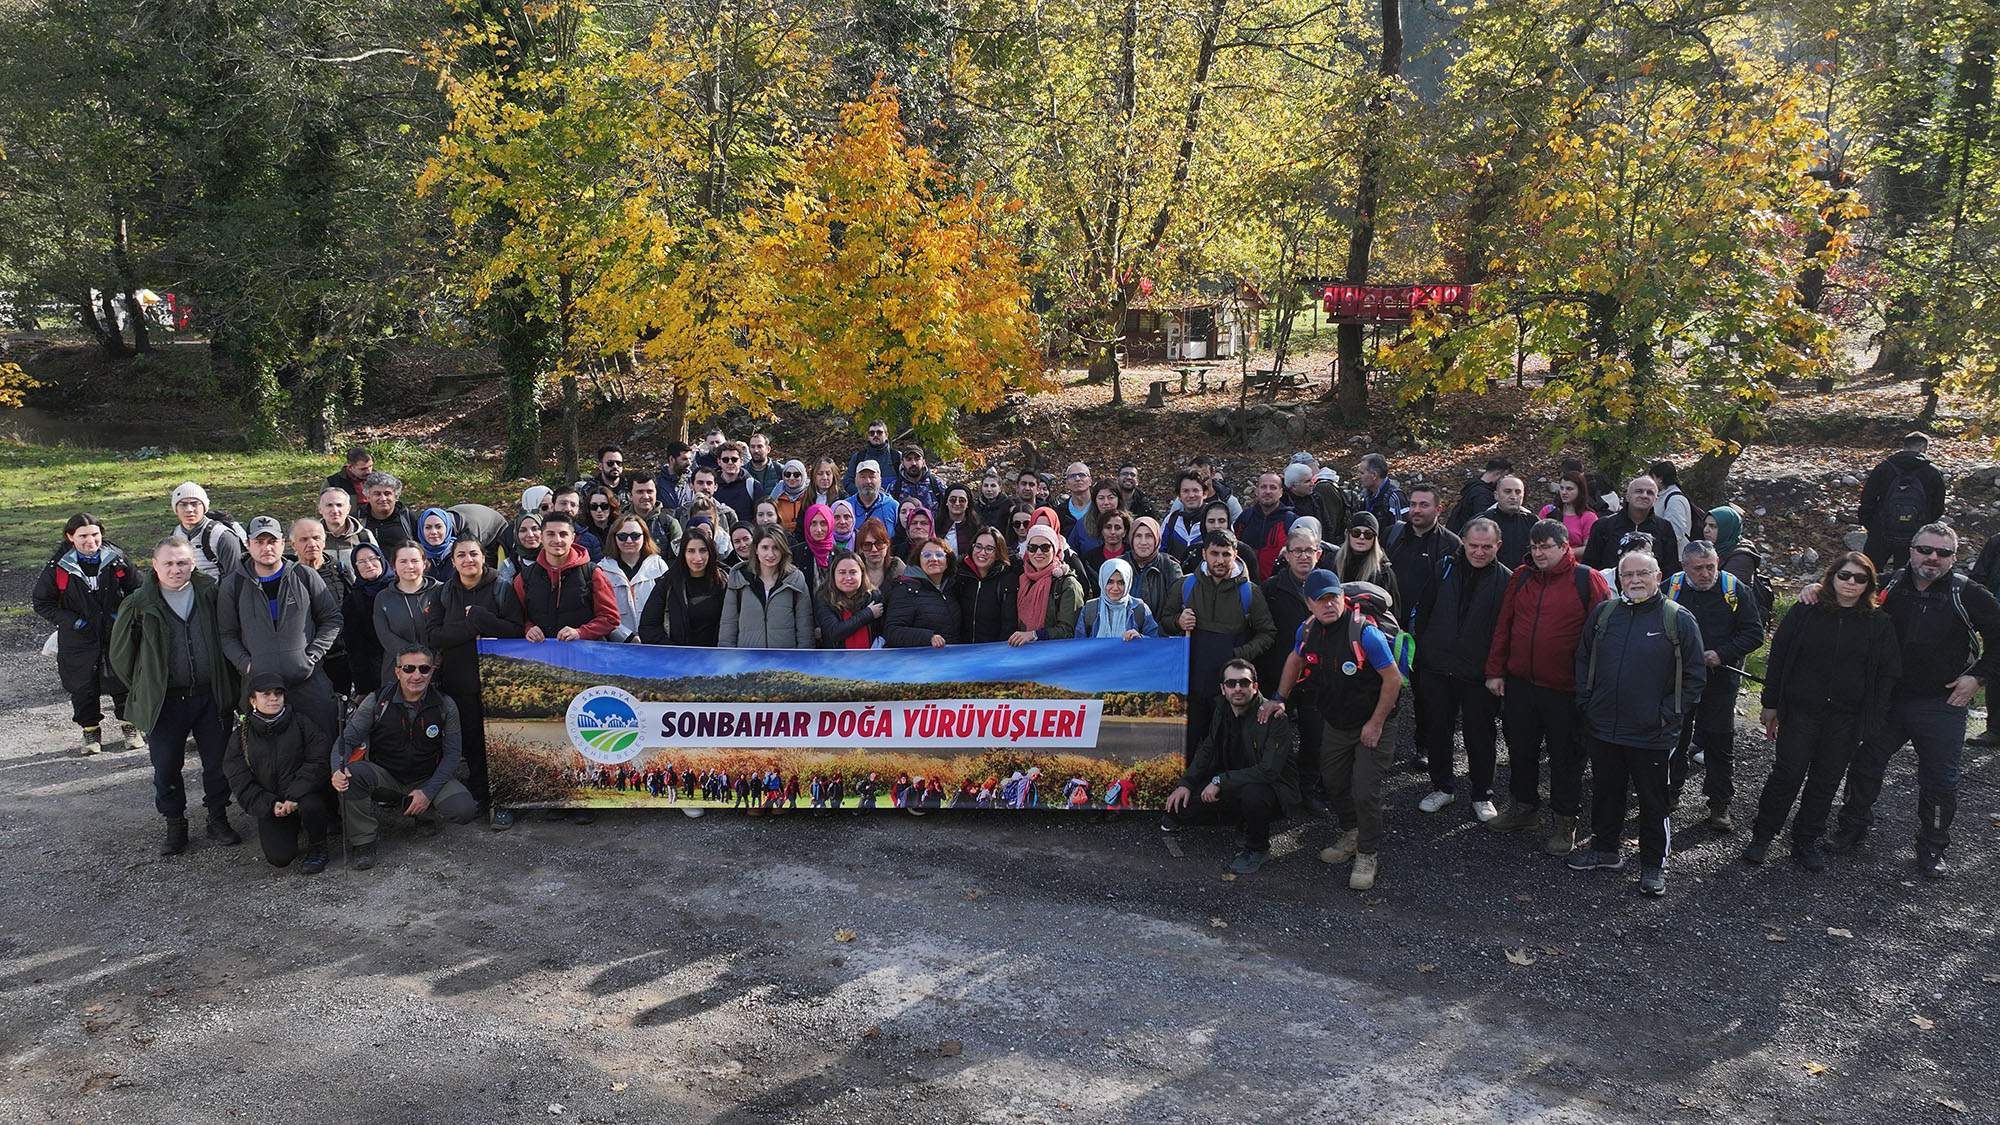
{"x":556,"y":597}
{"x":1541,"y":622}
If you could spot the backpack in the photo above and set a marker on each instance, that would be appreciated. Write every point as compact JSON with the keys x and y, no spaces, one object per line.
{"x":1760,"y":582}
{"x":225,"y":521}
{"x":1958,"y":582}
{"x":1600,"y":620}
{"x":1732,"y":590}
{"x":1370,"y":605}
{"x":1903,"y":504}
{"x":1187,"y":588}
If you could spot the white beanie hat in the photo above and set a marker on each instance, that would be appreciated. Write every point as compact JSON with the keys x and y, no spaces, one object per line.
{"x":189,"y":490}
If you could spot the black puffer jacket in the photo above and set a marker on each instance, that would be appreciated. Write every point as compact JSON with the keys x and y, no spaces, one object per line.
{"x":1834,"y":660}
{"x":82,"y":617}
{"x":282,"y":758}
{"x":458,"y":618}
{"x":986,"y":605}
{"x":919,"y":609}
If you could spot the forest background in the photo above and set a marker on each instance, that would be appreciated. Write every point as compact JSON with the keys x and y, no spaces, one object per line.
{"x":914,"y":208}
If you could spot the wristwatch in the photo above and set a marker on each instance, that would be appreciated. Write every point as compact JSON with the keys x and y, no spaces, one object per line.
{"x":1216,"y":781}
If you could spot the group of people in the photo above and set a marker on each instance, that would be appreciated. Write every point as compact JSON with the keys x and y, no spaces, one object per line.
{"x":326,"y":669}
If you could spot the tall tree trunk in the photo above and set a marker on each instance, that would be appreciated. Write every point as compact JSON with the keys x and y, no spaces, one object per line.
{"x":571,"y":446}
{"x":522,"y":346}
{"x":110,"y":340}
{"x":1812,"y":283}
{"x":128,"y":284}
{"x":113,"y":336}
{"x":1352,"y":389}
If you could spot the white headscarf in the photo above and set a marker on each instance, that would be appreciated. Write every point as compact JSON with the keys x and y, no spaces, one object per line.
{"x":1115,"y":616}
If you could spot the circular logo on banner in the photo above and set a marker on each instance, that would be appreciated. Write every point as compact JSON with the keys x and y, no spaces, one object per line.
{"x":604,"y":725}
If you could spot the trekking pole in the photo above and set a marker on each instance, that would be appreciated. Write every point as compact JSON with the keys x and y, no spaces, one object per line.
{"x":1742,"y":673}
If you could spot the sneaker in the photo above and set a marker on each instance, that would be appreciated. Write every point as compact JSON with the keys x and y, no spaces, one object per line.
{"x":503,"y":819}
{"x":1248,"y":861}
{"x":221,"y":831}
{"x":1758,"y":851}
{"x":1362,"y":878}
{"x":1809,"y":856}
{"x":1590,"y":859}
{"x":1562,"y":839}
{"x":315,"y":861}
{"x":1517,"y":818}
{"x":1484,"y":811}
{"x":93,"y":741}
{"x":176,"y":840}
{"x":1653,"y":881}
{"x":1718,"y":817}
{"x":1343,"y":849}
{"x":1434,"y":800}
{"x":1169,"y":824}
{"x":361,"y":857}
{"x":1931,"y":864}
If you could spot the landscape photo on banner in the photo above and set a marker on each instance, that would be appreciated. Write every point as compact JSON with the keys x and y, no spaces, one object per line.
{"x":1075,"y":724}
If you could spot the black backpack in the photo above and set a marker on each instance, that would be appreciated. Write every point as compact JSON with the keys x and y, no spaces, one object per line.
{"x":1904,"y":505}
{"x":219,"y":519}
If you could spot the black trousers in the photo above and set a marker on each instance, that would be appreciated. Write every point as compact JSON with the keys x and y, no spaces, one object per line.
{"x":1200,"y":712}
{"x":1254,"y":805}
{"x":1616,"y":772}
{"x":1448,"y":699}
{"x":279,"y":836}
{"x":1814,"y":749}
{"x":1712,"y":728}
{"x":1533,"y":717}
{"x":183,"y":714}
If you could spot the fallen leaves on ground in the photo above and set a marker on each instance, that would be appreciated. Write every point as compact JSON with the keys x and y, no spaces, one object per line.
{"x":1815,"y":1069}
{"x":844,"y":935}
{"x":1776,"y":937}
{"x":1952,"y":1104}
{"x":1836,"y":931}
{"x":950,"y":1047}
{"x":872,"y":1033}
{"x":99,"y":1080}
{"x":1217,"y":923}
{"x":1430,"y":968}
{"x":620,"y":1087}
{"x":1922,"y":1023}
{"x":974,"y":895}
{"x":1227,"y":876}
{"x":1519,"y":956}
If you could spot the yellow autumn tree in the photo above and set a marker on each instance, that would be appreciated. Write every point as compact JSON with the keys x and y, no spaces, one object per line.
{"x":893,"y":293}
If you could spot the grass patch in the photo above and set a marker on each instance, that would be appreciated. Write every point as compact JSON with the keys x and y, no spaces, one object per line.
{"x":42,"y":486}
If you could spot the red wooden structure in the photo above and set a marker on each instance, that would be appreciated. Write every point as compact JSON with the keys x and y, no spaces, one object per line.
{"x":1375,"y":304}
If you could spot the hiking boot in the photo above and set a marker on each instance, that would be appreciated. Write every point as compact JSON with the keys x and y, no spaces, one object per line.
{"x":1315,"y":806}
{"x":1343,"y":849}
{"x":1718,"y":817}
{"x":1930,"y":864}
{"x":1847,"y":838}
{"x":176,"y":840}
{"x":361,"y":857}
{"x":1758,"y":851}
{"x":503,"y":819}
{"x":93,"y":741}
{"x":1653,"y":881}
{"x":221,"y":831}
{"x":1562,"y":839}
{"x":1484,"y":811}
{"x":1517,"y":818}
{"x":1590,"y":859}
{"x":1248,"y":861}
{"x":1987,"y":737}
{"x":1809,"y":856}
{"x":315,"y":861}
{"x":134,"y":740}
{"x":1362,"y":878}
{"x":1434,"y":800}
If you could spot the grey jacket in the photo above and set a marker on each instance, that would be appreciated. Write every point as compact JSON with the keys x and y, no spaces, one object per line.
{"x":402,"y":619}
{"x":784,"y":621}
{"x":1632,"y":701}
{"x":294,"y":641}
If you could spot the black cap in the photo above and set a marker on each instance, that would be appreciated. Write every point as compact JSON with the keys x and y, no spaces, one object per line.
{"x":266,"y":681}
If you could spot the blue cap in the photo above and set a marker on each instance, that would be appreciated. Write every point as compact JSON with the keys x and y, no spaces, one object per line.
{"x":1321,"y":583}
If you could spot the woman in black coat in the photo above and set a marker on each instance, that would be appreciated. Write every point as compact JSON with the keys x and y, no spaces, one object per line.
{"x":986,"y":585}
{"x":923,"y":605}
{"x":78,"y":592}
{"x":279,"y":767}
{"x":1834,"y":665}
{"x":357,"y":616}
{"x":685,"y":607}
{"x":470,"y":605}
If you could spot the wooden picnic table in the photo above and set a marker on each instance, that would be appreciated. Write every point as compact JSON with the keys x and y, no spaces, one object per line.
{"x":1271,"y":383}
{"x":1200,"y":372}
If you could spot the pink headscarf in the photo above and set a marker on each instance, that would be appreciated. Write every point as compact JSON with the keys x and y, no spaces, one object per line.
{"x":822,"y":549}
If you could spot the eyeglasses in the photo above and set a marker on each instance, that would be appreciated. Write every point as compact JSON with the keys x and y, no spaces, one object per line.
{"x":630,"y":536}
{"x":1850,"y":576}
{"x":600,"y":507}
{"x":1238,"y":681}
{"x":932,"y":556}
{"x":1935,"y":552}
{"x":1076,"y":476}
{"x":977,"y":548}
{"x":415,"y":669}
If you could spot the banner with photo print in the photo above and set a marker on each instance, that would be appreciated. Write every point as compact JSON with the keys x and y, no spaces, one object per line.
{"x":1078,"y":724}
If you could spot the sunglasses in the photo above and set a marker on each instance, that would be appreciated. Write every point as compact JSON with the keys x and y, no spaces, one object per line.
{"x":630,"y":536}
{"x":1361,"y":533}
{"x":1023,"y":525}
{"x":415,"y":669}
{"x":1238,"y":681}
{"x":600,"y":507}
{"x":1935,"y":552}
{"x":614,"y":464}
{"x":1040,"y":549}
{"x":792,"y":474}
{"x":728,"y":460}
{"x":1850,"y":576}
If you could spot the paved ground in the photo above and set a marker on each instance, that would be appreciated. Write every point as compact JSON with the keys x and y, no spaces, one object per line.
{"x":1002,"y":968}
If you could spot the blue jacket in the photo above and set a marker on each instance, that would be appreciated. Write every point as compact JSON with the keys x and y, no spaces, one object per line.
{"x":1638,"y":698}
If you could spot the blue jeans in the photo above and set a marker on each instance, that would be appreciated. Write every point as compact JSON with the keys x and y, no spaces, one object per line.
{"x":182,"y":714}
{"x":1937,"y":730}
